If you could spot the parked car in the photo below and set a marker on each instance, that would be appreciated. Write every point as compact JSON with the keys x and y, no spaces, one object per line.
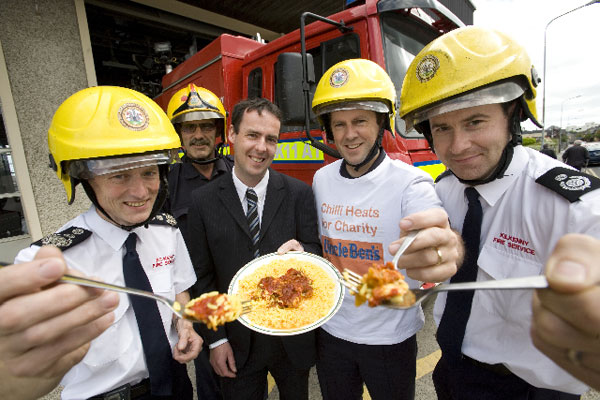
{"x":594,"y":150}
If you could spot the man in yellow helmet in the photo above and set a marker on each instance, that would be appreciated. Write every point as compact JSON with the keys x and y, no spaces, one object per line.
{"x":200,"y":119}
{"x":468,"y":92}
{"x":365,"y":202}
{"x":118,"y":143}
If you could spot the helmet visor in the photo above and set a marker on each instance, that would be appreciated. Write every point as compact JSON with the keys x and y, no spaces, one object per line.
{"x":376,"y":106}
{"x":196,"y":116}
{"x":496,"y":93}
{"x":86,"y":169}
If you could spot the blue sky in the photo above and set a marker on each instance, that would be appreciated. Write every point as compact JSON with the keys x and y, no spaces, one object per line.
{"x":572,"y":52}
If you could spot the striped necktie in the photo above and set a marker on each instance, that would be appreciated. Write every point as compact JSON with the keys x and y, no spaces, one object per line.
{"x":157,"y":349}
{"x":453,"y":324}
{"x":252,"y":216}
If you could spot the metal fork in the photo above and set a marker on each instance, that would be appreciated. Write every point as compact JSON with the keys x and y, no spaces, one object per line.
{"x":530,"y":282}
{"x":408,"y":239}
{"x":175,"y":306}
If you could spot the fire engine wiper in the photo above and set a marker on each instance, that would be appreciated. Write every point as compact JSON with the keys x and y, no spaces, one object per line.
{"x":306,"y":82}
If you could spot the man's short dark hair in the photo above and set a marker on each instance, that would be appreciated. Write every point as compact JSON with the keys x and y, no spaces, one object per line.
{"x":257,"y":104}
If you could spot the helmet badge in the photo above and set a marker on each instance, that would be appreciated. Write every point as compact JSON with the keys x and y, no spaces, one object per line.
{"x":338,"y":77}
{"x":427,"y":68}
{"x":133,"y":116}
{"x":194,"y":100}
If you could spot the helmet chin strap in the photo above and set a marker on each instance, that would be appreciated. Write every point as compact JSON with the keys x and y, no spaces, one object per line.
{"x":372,"y":153}
{"x":218,"y":156}
{"x":158,"y":203}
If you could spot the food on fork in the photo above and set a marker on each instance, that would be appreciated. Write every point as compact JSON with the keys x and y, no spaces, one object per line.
{"x":214,"y":309}
{"x":383,"y":283}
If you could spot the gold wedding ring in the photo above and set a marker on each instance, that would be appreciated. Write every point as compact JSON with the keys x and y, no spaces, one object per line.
{"x":574,"y":356}
{"x":439,"y":254}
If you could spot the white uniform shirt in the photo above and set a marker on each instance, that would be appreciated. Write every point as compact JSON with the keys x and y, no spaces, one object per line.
{"x":116,"y":357}
{"x":358,"y":219}
{"x":522,"y":221}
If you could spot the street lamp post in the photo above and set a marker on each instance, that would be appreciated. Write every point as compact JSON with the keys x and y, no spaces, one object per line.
{"x":545,"y":76}
{"x":561,"y":116}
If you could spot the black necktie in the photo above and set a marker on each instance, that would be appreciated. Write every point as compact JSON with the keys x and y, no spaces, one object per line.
{"x":252,"y":216}
{"x":453,"y":324}
{"x":154,"y":339}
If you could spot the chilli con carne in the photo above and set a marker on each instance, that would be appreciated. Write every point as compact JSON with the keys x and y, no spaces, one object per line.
{"x":384,"y":283}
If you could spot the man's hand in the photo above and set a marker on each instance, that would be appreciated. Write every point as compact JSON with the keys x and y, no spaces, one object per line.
{"x":437,"y":251}
{"x":46,"y":328}
{"x":190,"y":343}
{"x":222,"y":360}
{"x":566,"y":317}
{"x":290,"y":245}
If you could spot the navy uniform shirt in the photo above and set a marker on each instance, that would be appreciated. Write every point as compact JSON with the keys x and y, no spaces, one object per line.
{"x":183,"y":179}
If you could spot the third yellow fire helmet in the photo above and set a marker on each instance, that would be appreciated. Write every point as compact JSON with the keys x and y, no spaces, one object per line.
{"x":355,"y":84}
{"x":465,"y":68}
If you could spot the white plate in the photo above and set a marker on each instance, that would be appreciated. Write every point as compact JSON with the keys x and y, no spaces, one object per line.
{"x":328,"y":267}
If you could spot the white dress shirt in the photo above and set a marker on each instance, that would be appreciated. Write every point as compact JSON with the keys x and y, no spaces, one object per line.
{"x":116,"y":357}
{"x":522,"y":221}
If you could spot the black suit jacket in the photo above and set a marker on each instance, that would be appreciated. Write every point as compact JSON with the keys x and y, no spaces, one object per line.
{"x":220,"y":244}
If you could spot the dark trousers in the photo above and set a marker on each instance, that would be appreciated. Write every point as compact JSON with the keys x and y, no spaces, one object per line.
{"x":388,"y":371}
{"x":467,"y":381}
{"x":207,"y":381}
{"x":267,"y":354}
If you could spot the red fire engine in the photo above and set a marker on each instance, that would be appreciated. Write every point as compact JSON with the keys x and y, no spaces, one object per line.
{"x":388,"y":32}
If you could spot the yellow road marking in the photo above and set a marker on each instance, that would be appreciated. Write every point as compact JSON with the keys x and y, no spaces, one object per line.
{"x":426,"y":364}
{"x":591,"y":172}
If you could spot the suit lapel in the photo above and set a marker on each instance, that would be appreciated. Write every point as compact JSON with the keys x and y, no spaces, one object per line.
{"x":273,"y":200}
{"x":229,"y":197}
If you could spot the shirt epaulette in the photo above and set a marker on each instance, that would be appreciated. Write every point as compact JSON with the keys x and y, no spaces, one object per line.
{"x":65,"y":239}
{"x":164,"y":219}
{"x":569,"y":183}
{"x":443,"y":175}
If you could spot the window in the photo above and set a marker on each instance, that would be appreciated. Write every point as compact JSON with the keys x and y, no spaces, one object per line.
{"x":12,"y":219}
{"x":255,"y":83}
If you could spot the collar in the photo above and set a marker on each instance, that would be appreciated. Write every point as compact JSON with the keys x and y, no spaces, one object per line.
{"x":190,"y":172}
{"x":378,"y":161}
{"x":111,"y":234}
{"x":260,"y":189}
{"x":492,"y":191}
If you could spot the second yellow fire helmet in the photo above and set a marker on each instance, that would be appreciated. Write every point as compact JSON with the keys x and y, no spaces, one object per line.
{"x":355,"y":84}
{"x":464,"y":68}
{"x":194,"y":103}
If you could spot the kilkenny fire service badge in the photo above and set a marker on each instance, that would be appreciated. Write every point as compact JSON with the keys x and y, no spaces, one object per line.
{"x":338,"y":78}
{"x":568,"y":183}
{"x":133,"y":116}
{"x":427,"y":68}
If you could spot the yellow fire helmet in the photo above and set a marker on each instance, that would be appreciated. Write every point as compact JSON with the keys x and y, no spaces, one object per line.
{"x":467,"y":67}
{"x":355,"y":84}
{"x":194,"y":103}
{"x":107,"y":129}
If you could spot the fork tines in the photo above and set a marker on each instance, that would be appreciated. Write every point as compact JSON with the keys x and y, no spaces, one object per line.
{"x":246,"y":306}
{"x":352,"y":280}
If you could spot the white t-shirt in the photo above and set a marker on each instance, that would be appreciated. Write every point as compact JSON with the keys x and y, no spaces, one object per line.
{"x":116,"y":357}
{"x":358,"y":219}
{"x":522,"y":221}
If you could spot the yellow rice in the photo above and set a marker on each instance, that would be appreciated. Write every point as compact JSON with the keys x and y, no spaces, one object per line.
{"x":310,"y":310}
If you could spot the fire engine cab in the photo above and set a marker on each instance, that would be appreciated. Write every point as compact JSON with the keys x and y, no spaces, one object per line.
{"x":286,"y":71}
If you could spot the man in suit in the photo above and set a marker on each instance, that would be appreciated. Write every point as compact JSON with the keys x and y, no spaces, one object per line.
{"x":222,"y":243}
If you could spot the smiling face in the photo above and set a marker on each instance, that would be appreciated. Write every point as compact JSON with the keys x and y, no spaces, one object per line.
{"x":127,"y":196}
{"x":470,"y":142}
{"x":254,"y":145}
{"x":198,"y":138}
{"x":354,"y":133}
